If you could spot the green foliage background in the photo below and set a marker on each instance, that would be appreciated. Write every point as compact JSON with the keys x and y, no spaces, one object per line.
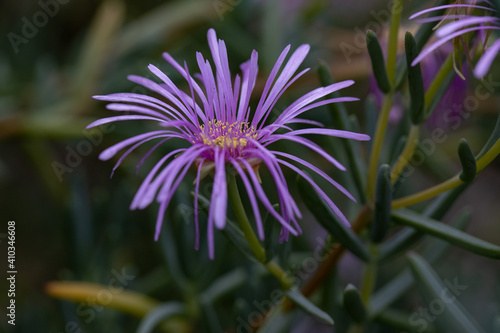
{"x":75,"y":225}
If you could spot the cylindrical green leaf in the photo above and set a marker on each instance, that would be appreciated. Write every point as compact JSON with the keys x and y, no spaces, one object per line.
{"x":398,"y":149}
{"x":383,"y":198}
{"x":330,"y":221}
{"x":467,"y":160}
{"x":378,"y":62}
{"x":300,"y":300}
{"x":444,"y":231}
{"x":422,"y":36}
{"x":353,"y":304}
{"x":224,"y":285}
{"x":455,"y":318}
{"x":415,"y":81}
{"x":232,"y":232}
{"x":159,"y":314}
{"x":434,"y":250}
{"x":341,"y":121}
{"x":398,"y":320}
{"x":408,"y":237}
{"x":494,"y":136}
{"x":354,"y":121}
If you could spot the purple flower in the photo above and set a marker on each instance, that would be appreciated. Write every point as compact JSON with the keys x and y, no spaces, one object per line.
{"x":463,"y":19}
{"x":224,"y":134}
{"x":455,"y":93}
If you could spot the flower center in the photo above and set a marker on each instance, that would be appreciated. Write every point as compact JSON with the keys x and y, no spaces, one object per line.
{"x":225,"y":135}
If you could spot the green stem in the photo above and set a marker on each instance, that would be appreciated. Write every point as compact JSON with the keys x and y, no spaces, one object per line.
{"x":367,"y":285}
{"x":489,"y":156}
{"x":392,"y":52}
{"x":253,"y":242}
{"x":406,"y":154}
{"x":392,"y":48}
{"x":438,"y":81}
{"x":279,"y":273}
{"x":449,"y":184}
{"x":428,"y":193}
{"x":127,"y":301}
{"x":377,"y":142}
{"x":241,"y":216}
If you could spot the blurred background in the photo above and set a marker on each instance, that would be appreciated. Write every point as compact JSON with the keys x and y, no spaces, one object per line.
{"x":73,"y":221}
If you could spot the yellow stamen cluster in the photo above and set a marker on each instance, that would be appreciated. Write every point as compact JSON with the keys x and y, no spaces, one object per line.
{"x":225,"y":135}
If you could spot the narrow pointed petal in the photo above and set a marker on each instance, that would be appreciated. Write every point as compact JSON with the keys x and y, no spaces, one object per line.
{"x":218,"y":208}
{"x":120,"y":118}
{"x":443,"y":40}
{"x":484,"y":64}
{"x":332,"y":132}
{"x":196,"y":209}
{"x":111,"y":151}
{"x":465,"y":22}
{"x":433,"y":9}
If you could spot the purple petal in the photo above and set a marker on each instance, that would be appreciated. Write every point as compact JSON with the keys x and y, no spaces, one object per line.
{"x":250,"y":70}
{"x":279,"y":179}
{"x":131,"y":149}
{"x":323,"y":195}
{"x":440,"y":18}
{"x":185,"y":105}
{"x":178,"y":174}
{"x":269,"y":82}
{"x":484,"y":63}
{"x":149,"y":152}
{"x":312,"y":96}
{"x":168,"y":175}
{"x":441,"y":41}
{"x":141,"y":199}
{"x":185,"y":74}
{"x":159,"y":220}
{"x":208,"y":79}
{"x":263,"y":198}
{"x":188,"y":105}
{"x":236,"y":93}
{"x":219,"y":55}
{"x":291,"y":67}
{"x":309,"y":144}
{"x":111,"y":151}
{"x":210,"y":237}
{"x":196,"y":212}
{"x":218,"y":208}
{"x":134,"y":108}
{"x":456,"y":25}
{"x":175,"y":177}
{"x":153,"y":86}
{"x":138,"y":99}
{"x":318,"y":171}
{"x":332,"y":132}
{"x":305,"y":121}
{"x":445,"y":7}
{"x":287,"y":118}
{"x":121,"y":118}
{"x":268,"y":112}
